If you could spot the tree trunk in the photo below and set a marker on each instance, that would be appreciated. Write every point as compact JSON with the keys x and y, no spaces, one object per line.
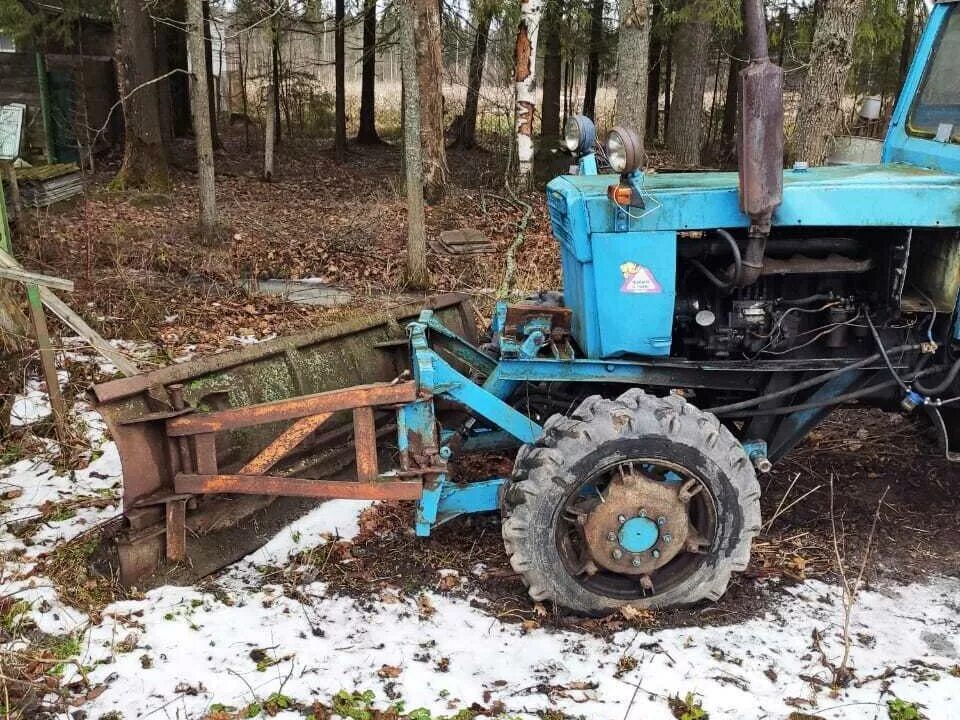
{"x":686,"y":118}
{"x":179,"y":84}
{"x":667,"y":86}
{"x":275,"y":71}
{"x":416,"y":275}
{"x":552,"y":70}
{"x":633,"y":55}
{"x":821,"y":111}
{"x":593,"y":60}
{"x":144,"y":160}
{"x":161,"y":53}
{"x":654,"y":70}
{"x":269,"y":134}
{"x":728,"y":128}
{"x":467,"y":138}
{"x":430,"y":83}
{"x":525,"y":87}
{"x":906,"y":50}
{"x":367,"y":134}
{"x":211,"y":83}
{"x":340,"y":111}
{"x":196,"y":32}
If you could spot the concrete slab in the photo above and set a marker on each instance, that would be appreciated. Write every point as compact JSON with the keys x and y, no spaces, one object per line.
{"x":303,"y":292}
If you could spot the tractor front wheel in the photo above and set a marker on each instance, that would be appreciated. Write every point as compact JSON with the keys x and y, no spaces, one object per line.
{"x":639,"y":501}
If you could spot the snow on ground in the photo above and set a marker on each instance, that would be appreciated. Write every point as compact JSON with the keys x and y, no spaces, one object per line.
{"x":180,"y":652}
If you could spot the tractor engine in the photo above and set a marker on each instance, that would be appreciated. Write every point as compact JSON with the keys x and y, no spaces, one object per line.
{"x":808,"y":301}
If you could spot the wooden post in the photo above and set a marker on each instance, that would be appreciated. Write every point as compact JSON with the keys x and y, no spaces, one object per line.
{"x":48,"y":361}
{"x":14,"y":190}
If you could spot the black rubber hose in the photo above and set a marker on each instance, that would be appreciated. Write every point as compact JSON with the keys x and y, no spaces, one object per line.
{"x":942,"y":385}
{"x":812,"y":382}
{"x":835,"y":400}
{"x":737,"y":263}
{"x":885,"y":354}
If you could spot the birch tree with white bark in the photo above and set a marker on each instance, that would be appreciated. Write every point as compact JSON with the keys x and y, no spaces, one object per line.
{"x":525,"y":86}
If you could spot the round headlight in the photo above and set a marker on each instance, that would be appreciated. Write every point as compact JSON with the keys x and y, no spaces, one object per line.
{"x":579,"y":134}
{"x":624,"y":151}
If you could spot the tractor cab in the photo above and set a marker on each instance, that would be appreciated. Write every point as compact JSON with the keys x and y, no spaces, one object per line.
{"x":925,"y":127}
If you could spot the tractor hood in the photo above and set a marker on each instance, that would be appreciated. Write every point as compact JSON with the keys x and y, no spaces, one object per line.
{"x":894,"y":195}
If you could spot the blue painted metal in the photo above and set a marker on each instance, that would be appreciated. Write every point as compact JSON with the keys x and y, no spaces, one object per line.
{"x":481,"y":496}
{"x":587,"y":164}
{"x":756,"y":450}
{"x":638,"y":534}
{"x":901,"y":145}
{"x":608,"y":322}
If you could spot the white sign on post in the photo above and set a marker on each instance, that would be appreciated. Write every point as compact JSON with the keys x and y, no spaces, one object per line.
{"x":11,"y":130}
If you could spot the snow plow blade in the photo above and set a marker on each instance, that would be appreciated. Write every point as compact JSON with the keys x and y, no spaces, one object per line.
{"x":220,"y":453}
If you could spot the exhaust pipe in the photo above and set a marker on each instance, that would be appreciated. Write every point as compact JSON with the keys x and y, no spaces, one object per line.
{"x":759,"y":140}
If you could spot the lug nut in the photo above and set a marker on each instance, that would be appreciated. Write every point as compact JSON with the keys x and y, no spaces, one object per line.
{"x":617,"y":553}
{"x":655,"y":553}
{"x":642,"y":513}
{"x":636,"y":562}
{"x":621,"y":519}
{"x":661,"y":520}
{"x":667,"y":538}
{"x":611,"y":536}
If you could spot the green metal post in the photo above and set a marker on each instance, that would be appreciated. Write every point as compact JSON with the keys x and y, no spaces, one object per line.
{"x":48,"y":139}
{"x":5,"y":244}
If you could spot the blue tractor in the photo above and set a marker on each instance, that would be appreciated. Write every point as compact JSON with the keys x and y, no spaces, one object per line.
{"x":707,"y":322}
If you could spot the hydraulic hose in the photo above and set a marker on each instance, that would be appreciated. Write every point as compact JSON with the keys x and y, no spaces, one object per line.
{"x":885,"y":354}
{"x":806,"y":384}
{"x":835,"y":400}
{"x":737,"y":269}
{"x":942,"y":385}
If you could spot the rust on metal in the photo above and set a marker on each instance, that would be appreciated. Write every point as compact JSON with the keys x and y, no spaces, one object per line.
{"x":205,"y":450}
{"x":365,"y":441}
{"x":176,"y":530}
{"x":285,"y":442}
{"x":300,"y":487}
{"x":241,"y":417}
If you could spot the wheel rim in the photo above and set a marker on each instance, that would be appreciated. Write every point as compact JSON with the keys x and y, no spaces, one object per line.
{"x":633,"y":529}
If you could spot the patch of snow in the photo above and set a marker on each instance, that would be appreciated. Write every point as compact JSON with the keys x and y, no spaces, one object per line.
{"x":744,"y":671}
{"x":33,"y":404}
{"x":332,"y":519}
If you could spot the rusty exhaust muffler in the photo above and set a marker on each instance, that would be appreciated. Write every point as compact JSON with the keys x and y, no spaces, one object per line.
{"x":217,"y":529}
{"x":759,"y":140}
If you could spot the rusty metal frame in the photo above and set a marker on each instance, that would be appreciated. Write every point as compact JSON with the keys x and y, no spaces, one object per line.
{"x":192,"y":448}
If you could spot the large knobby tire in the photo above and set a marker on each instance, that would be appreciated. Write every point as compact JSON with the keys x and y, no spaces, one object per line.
{"x":603,"y":432}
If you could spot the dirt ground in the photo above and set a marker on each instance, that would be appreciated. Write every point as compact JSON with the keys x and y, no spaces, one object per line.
{"x":141,"y":275}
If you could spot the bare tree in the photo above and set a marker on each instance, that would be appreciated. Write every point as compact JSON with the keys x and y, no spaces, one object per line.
{"x":821,"y":111}
{"x":144,"y":160}
{"x":552,"y":69}
{"x":593,"y":59}
{"x":367,"y":134}
{"x":691,"y":50}
{"x":269,"y":133}
{"x":430,"y":77}
{"x":196,"y":29}
{"x":525,"y":86}
{"x":416,"y":275}
{"x":633,"y":53}
{"x":340,"y":132}
{"x":467,"y":136}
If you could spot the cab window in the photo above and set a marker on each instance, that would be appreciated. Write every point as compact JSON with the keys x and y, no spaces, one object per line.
{"x":936,"y":112}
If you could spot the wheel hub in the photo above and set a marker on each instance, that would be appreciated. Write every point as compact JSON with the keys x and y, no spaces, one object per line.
{"x":640,"y":525}
{"x":638,"y":534}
